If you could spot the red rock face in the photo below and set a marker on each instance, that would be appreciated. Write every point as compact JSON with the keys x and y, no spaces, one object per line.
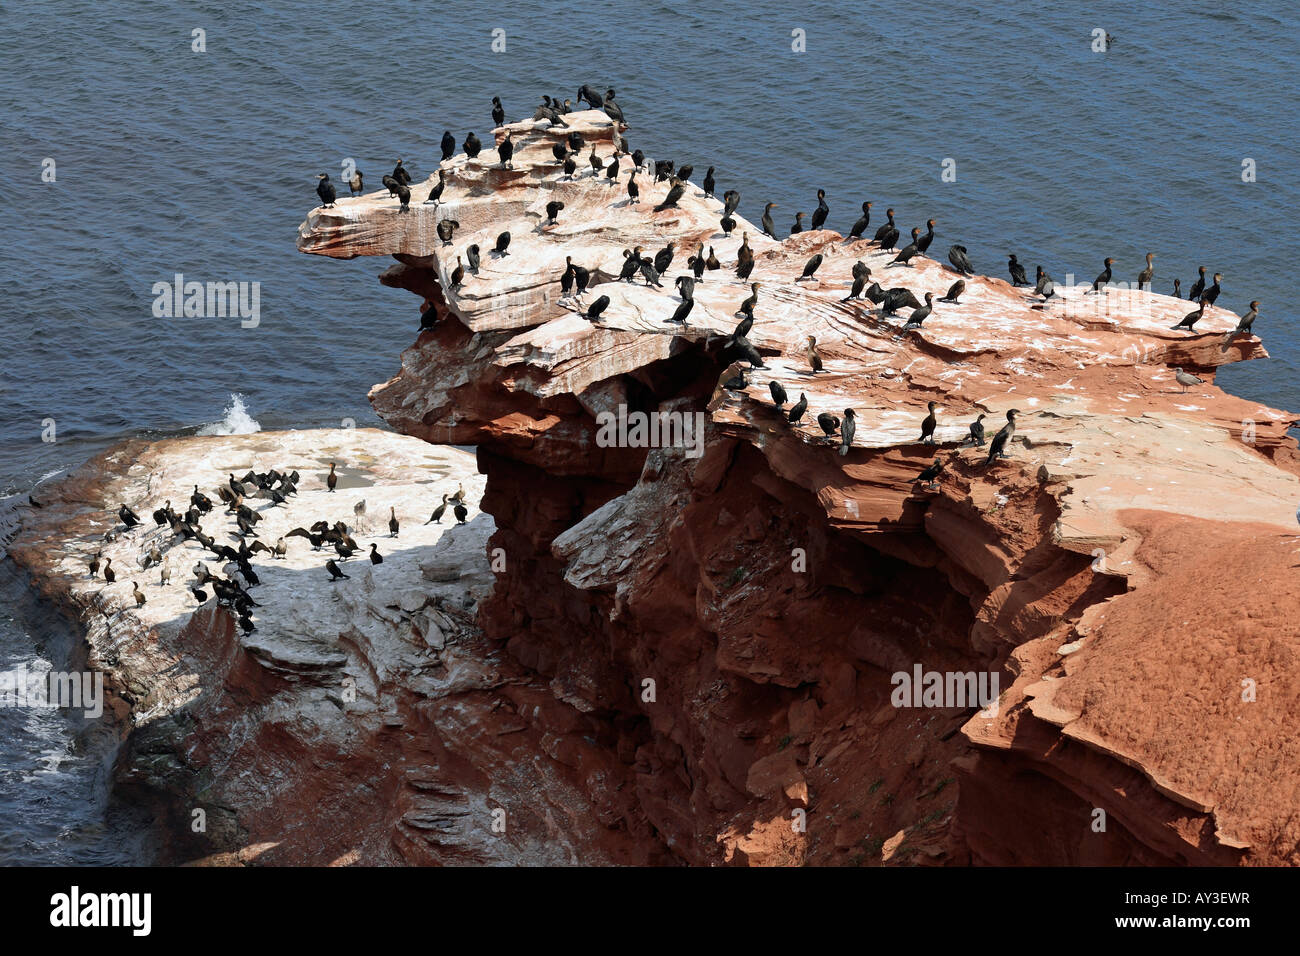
{"x":711,"y":641}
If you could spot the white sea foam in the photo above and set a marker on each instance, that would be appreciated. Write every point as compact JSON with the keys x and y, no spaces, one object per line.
{"x":236,"y":422}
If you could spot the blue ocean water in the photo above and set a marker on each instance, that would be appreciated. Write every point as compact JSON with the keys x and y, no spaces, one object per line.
{"x":169,"y":160}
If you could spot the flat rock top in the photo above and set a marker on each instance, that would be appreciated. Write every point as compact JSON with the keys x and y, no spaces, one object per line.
{"x":302,"y":611}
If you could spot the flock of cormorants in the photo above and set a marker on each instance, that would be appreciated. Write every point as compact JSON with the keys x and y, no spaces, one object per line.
{"x":275,"y":486}
{"x":575,"y":279}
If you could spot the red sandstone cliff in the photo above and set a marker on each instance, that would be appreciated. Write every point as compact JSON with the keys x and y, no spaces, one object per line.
{"x":1124,"y":572}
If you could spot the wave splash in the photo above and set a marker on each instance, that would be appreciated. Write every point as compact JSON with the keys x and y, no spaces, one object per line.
{"x":237,"y":421}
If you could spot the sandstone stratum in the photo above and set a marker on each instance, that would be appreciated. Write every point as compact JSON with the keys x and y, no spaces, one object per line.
{"x":644,"y":656}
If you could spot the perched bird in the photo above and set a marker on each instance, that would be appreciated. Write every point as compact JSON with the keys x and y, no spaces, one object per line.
{"x":472,"y":146}
{"x":863,"y":222}
{"x":1191,"y":318}
{"x":811,"y":267}
{"x":847,"y":430}
{"x":109,"y":574}
{"x":920,"y":315}
{"x":801,"y":406}
{"x":1099,"y":283}
{"x":813,"y":356}
{"x":129,"y":517}
{"x":498,"y":112}
{"x":682,"y":311}
{"x":930,"y":475}
{"x":164,"y":576}
{"x":778,"y":393}
{"x":908,"y":251}
{"x":828,"y":422}
{"x":997,"y":448}
{"x":955,"y":290}
{"x":769,"y":227}
{"x":633,"y":190}
{"x":375,"y":556}
{"x":976,"y":436}
{"x":675,"y":192}
{"x":957,"y":256}
{"x":552,"y":210}
{"x":331,"y":480}
{"x":1186,"y":379}
{"x":821,"y":212}
{"x":472,"y":257}
{"x":448,"y":145}
{"x":333,"y":569}
{"x":927,"y":425}
{"x":1243,"y":327}
{"x":457,"y":275}
{"x":94,"y":563}
{"x":747,"y":307}
{"x":1017,"y":271}
{"x":400,"y":174}
{"x":281,"y":548}
{"x":923,"y":243}
{"x":446,"y":229}
{"x":392,"y":522}
{"x":400,"y":190}
{"x":1147,"y":274}
{"x":460,"y":511}
{"x":355,"y":183}
{"x":596,"y":308}
{"x":1198,"y":287}
{"x":503,"y":243}
{"x":797,"y":227}
{"x":506,"y":151}
{"x":436,"y":517}
{"x":1178,"y":288}
{"x":325,"y":190}
{"x":709,"y":182}
{"x":1211,"y":294}
{"x":137,"y":594}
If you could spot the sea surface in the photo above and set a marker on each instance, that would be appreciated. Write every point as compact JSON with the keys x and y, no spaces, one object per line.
{"x":167,"y":160}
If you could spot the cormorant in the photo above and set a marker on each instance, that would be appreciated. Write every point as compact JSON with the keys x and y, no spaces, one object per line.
{"x":778,"y":393}
{"x":931,"y":474}
{"x":863,"y":222}
{"x":325,"y":190}
{"x":460,"y":511}
{"x":281,"y":548}
{"x":1198,"y":287}
{"x":811,"y":267}
{"x":847,"y":429}
{"x":1244,"y":326}
{"x":685,"y":286}
{"x":137,"y":594}
{"x":822,"y":211}
{"x":457,"y":275}
{"x":1017,"y":271}
{"x":683,"y":311}
{"x":611,"y":170}
{"x":1099,"y":283}
{"x":1178,"y":288}
{"x":552,"y":209}
{"x":1147,"y":274}
{"x":401,"y":175}
{"x":109,"y":574}
{"x":976,"y":436}
{"x":712,"y":261}
{"x":631,"y":263}
{"x":828,"y":422}
{"x":664,"y":257}
{"x":1191,"y":318}
{"x":998,"y":445}
{"x":799,"y":408}
{"x":612,"y":109}
{"x":1212,"y":293}
{"x":814,"y":357}
{"x":633,"y":190}
{"x":957,"y":256}
{"x":596,"y":308}
{"x":498,"y":112}
{"x":798,"y":223}
{"x":920,"y":315}
{"x":769,"y":227}
{"x":503,"y":243}
{"x":354,"y":183}
{"x":506,"y":150}
{"x":331,"y":480}
{"x":392,"y":522}
{"x":747,"y":307}
{"x":594,"y":161}
{"x":436,"y":517}
{"x":954,"y":290}
{"x":730,"y":202}
{"x":472,"y":146}
{"x":908,"y":251}
{"x":895,"y":299}
{"x":1186,"y":378}
{"x":402,"y":192}
{"x":638,"y":159}
{"x":472,"y":257}
{"x":129,"y":517}
{"x":709,"y":182}
{"x":684,"y":174}
{"x":923,"y":243}
{"x":674,"y":193}
{"x":334,"y":571}
{"x":94,"y":563}
{"x":448,"y":145}
{"x":887,"y":234}
{"x":927,"y":425}
{"x":375,"y":556}
{"x":570,"y":166}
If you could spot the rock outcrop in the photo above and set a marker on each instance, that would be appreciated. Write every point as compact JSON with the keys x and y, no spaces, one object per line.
{"x":731,"y":622}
